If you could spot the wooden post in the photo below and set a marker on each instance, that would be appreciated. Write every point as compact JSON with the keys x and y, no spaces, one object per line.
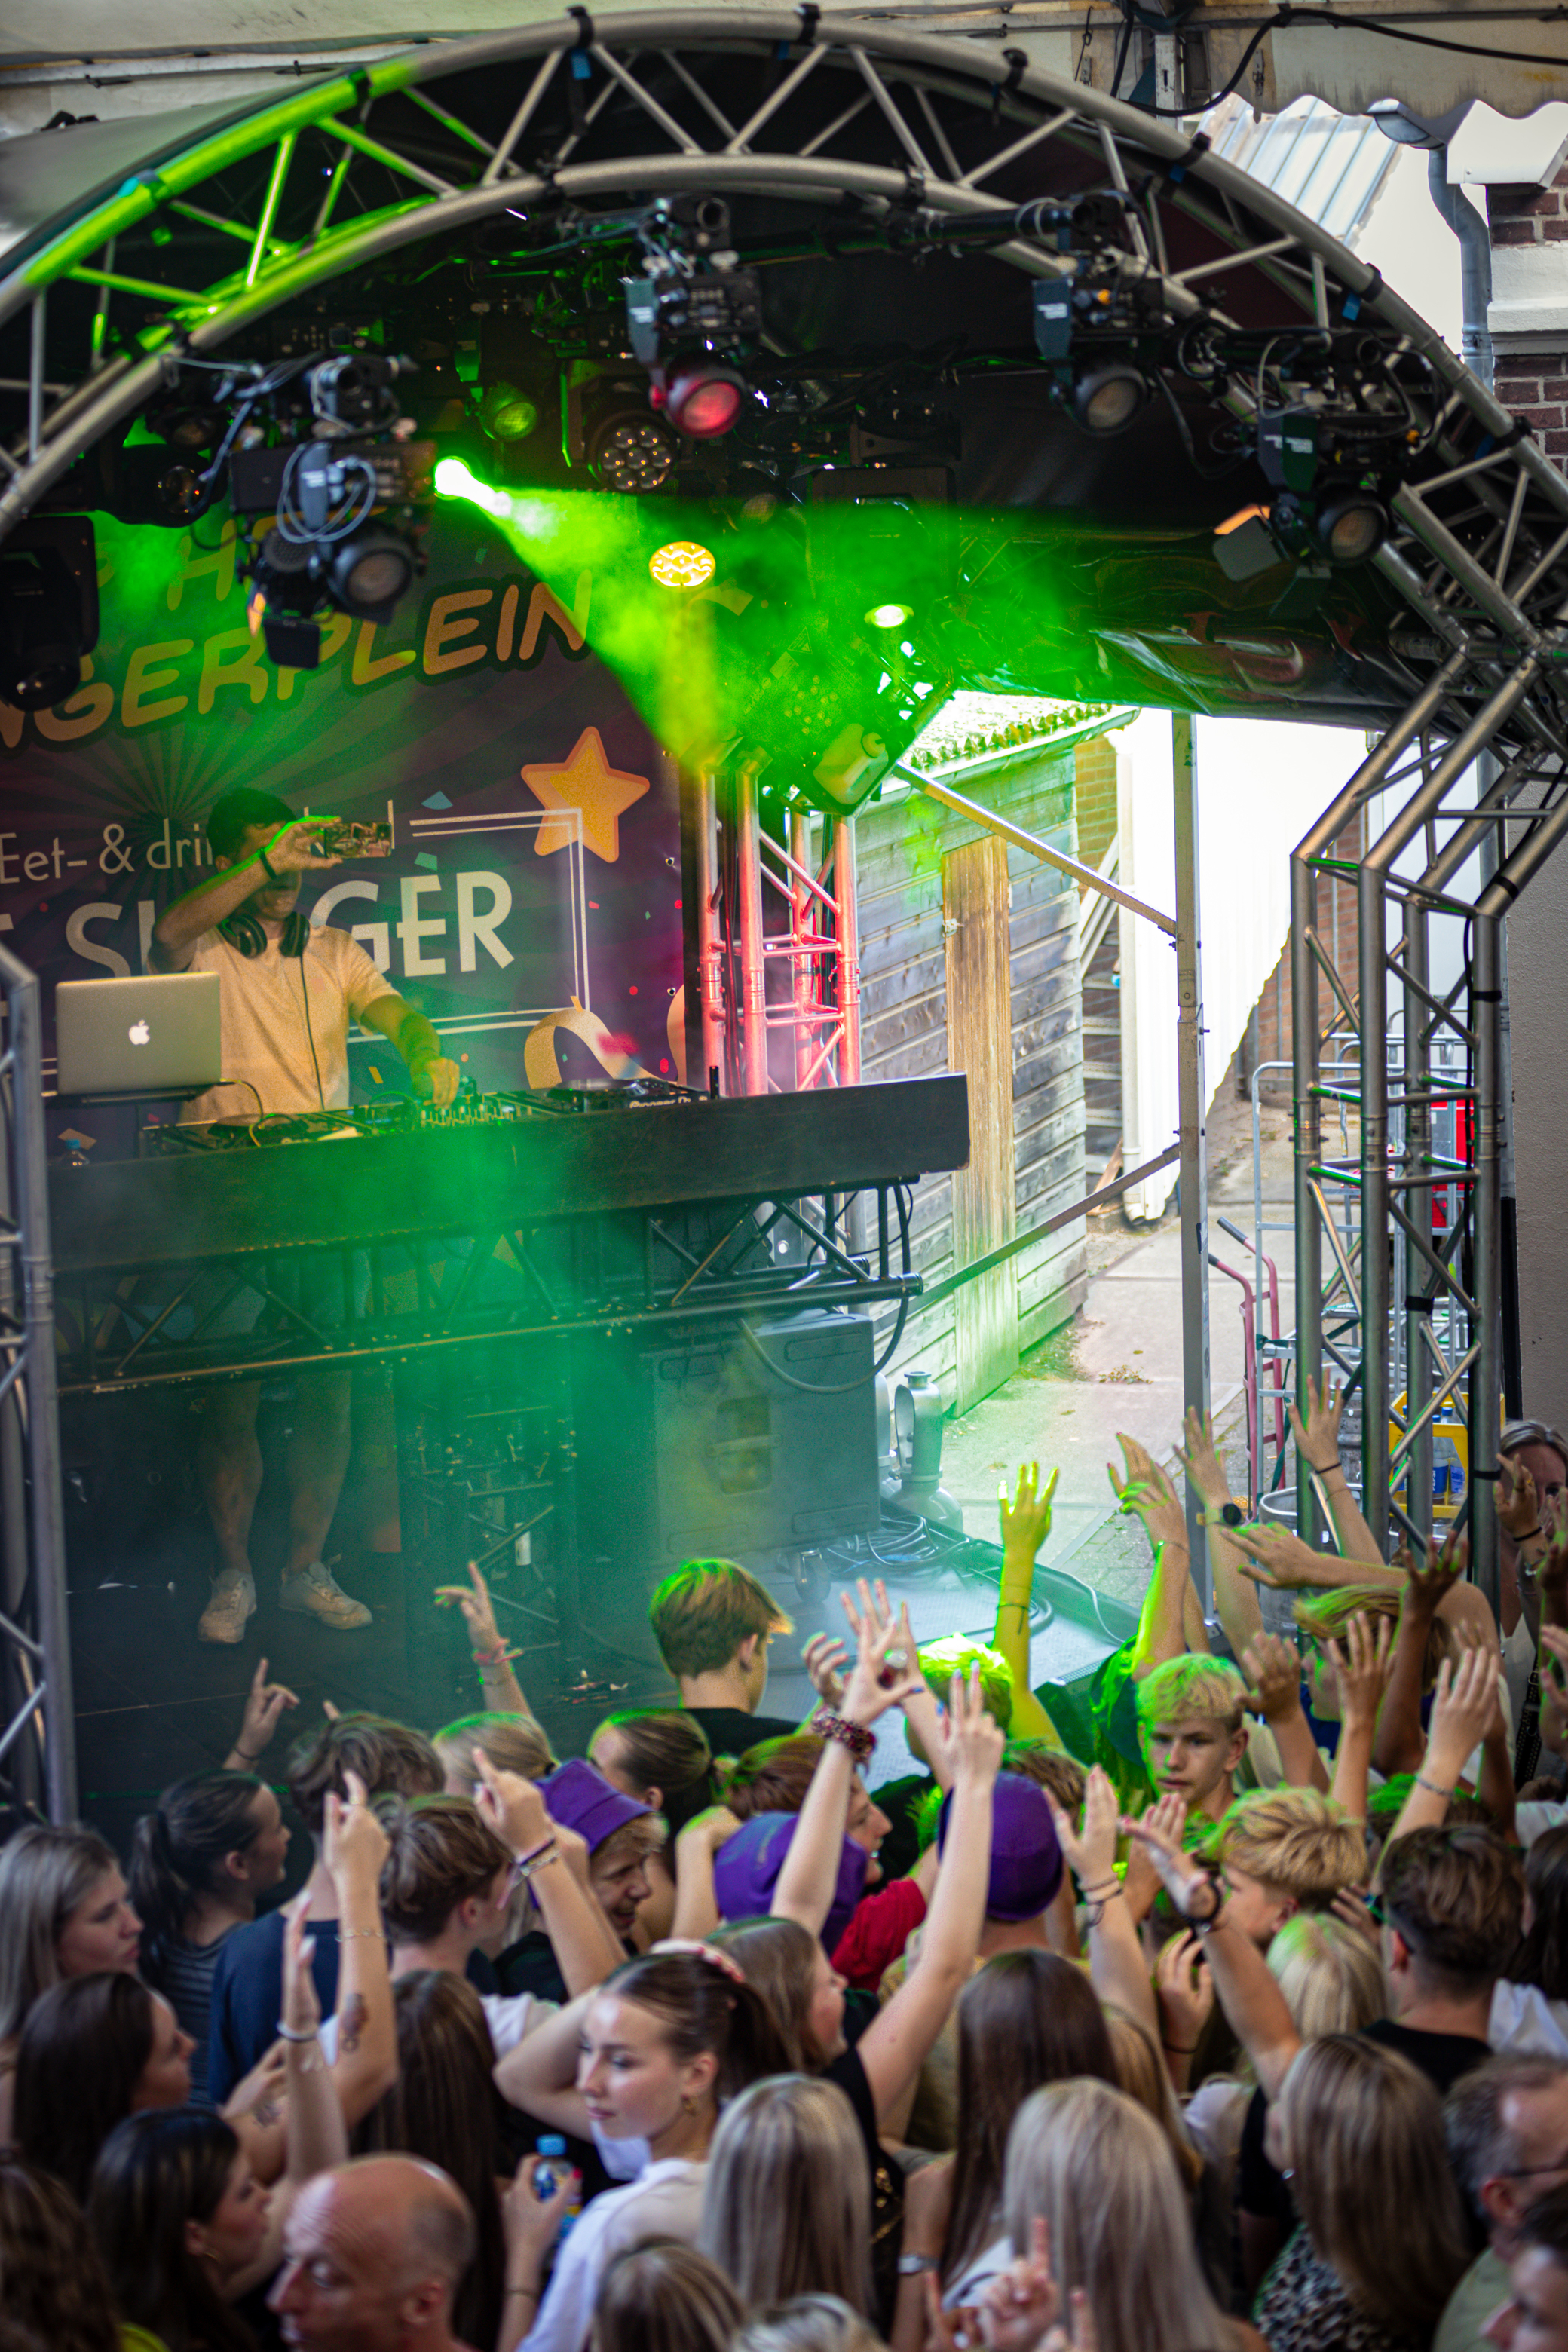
{"x":974,"y":905}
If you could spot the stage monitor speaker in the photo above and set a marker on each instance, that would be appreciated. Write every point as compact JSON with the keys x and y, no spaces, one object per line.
{"x":719,"y":1447}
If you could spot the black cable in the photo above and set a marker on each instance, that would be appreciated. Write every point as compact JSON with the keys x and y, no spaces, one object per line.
{"x":839,"y":1388}
{"x":1290,"y":15}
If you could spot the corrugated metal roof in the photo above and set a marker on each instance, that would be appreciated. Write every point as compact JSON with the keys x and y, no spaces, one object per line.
{"x":1330,"y":166}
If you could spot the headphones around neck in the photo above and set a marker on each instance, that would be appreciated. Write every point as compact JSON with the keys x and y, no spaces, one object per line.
{"x":245,"y":932}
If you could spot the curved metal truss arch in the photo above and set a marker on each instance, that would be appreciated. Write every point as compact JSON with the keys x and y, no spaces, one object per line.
{"x":935,"y":144}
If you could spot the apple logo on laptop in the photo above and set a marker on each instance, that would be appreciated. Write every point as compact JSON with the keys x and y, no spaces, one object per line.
{"x":139,"y":1033}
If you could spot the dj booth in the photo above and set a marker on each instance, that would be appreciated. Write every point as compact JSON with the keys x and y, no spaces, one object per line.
{"x":625,"y":1325}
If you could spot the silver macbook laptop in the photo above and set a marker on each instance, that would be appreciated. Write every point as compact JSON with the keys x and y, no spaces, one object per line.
{"x":159,"y":1035}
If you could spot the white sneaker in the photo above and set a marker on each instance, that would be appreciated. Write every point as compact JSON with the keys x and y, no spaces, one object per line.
{"x":233,"y":1601}
{"x":317,"y":1594}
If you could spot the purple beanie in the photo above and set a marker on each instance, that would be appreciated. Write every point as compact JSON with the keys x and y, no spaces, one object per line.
{"x":578,"y":1797}
{"x":1026,"y":1860}
{"x":746,"y":1871}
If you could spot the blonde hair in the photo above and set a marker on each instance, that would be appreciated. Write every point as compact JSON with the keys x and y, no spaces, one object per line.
{"x":1298,"y":1840}
{"x":513,"y":1743}
{"x":664,"y":2296}
{"x":957,"y":1654}
{"x":1376,"y":2197}
{"x":787,"y":2206}
{"x":808,"y":2323}
{"x":1143,"y":2074}
{"x":1331,"y":1975}
{"x":1100,"y":2172}
{"x":1191,"y":1687}
{"x":1323,"y":1616}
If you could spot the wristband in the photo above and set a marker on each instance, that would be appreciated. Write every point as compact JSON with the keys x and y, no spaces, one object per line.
{"x":1432,"y":1788}
{"x":347,"y":1935}
{"x":272,"y":873}
{"x":499,"y":1656}
{"x":1529,"y":1533}
{"x":238,"y":1750}
{"x":915,"y":2265}
{"x":1201,"y":1926}
{"x":860,"y":1742}
{"x":540,"y":1862}
{"x":287,"y":2034}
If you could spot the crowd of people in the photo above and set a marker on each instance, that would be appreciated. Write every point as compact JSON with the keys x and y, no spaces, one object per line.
{"x":1245,"y":2025}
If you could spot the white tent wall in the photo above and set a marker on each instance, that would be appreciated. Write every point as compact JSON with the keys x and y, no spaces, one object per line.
{"x":1260,"y":783}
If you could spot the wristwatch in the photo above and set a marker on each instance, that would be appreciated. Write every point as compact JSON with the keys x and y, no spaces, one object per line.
{"x":1228,"y":1514}
{"x":912,"y":2265}
{"x":1210,"y":1918}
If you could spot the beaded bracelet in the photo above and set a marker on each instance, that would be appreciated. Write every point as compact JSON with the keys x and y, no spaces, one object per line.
{"x":853,"y":1736}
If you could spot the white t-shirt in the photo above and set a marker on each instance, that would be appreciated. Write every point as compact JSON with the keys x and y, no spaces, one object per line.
{"x":666,"y":2202}
{"x":511,"y":2018}
{"x":1536,"y":1816}
{"x":1522,"y":2018}
{"x":266,"y":1039}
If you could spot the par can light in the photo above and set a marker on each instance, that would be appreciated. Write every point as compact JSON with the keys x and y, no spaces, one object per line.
{"x":1351,"y":526}
{"x":1105,"y":400}
{"x":705,"y":403}
{"x":507,"y":413}
{"x":890,"y":616}
{"x":367,"y":573}
{"x":684,"y":563}
{"x":633,"y":455}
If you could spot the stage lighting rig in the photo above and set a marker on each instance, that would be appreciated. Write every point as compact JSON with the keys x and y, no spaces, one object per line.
{"x":48,"y":610}
{"x":1097,"y":378}
{"x":691,"y":314}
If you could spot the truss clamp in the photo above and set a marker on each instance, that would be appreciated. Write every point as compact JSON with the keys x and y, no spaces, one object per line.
{"x":1017,"y":67}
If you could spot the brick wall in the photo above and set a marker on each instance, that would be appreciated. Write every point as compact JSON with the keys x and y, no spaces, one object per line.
{"x":1534,"y":384}
{"x":1337,"y":930}
{"x":1094,"y":798}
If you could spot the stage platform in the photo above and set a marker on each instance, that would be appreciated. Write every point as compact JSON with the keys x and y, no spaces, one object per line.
{"x":153,"y":1703}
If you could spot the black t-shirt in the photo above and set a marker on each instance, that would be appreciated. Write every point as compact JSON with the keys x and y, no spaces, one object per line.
{"x":1261,"y":2189}
{"x":730,"y":1730}
{"x":887,"y":2183}
{"x":1443,"y":2058}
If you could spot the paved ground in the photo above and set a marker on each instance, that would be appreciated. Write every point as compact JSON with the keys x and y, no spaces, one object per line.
{"x":1118,"y":1366}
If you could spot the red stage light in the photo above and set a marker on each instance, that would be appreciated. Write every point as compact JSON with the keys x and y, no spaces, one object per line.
{"x":704,"y":403}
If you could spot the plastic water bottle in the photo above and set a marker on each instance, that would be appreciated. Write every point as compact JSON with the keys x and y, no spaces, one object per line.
{"x":551,"y":2171}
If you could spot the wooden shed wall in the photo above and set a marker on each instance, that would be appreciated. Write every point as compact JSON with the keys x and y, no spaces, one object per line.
{"x":905,"y":1032}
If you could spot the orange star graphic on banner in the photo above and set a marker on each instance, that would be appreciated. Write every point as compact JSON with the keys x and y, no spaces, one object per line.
{"x":586,"y":782}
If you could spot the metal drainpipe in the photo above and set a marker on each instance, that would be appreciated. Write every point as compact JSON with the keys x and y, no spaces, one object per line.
{"x":1475,"y":264}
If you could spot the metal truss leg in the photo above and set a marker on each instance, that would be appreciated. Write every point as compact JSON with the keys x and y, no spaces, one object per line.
{"x":1192,"y":1103}
{"x":36,"y":1634}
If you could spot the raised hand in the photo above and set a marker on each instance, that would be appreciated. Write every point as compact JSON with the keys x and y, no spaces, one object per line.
{"x":265,"y":1702}
{"x":515,"y":1807}
{"x":1200,"y":1459}
{"x":1363,"y":1660}
{"x":823,"y":1658}
{"x":1185,"y":1990}
{"x":353,"y":1843}
{"x":1282,"y":1560}
{"x":479,"y":1611}
{"x":297,"y":849}
{"x":1430,"y":1580}
{"x":301,"y":2008}
{"x":1090,"y":1853}
{"x":1318,"y":1437}
{"x":1179,"y":1873}
{"x":1145,"y":1489}
{"x":880,"y":1678}
{"x":1518,"y":1504}
{"x":972,"y":1738}
{"x":1022,"y":2302}
{"x":1273,"y":1671}
{"x":1463,"y":1705}
{"x":1027,"y":1521}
